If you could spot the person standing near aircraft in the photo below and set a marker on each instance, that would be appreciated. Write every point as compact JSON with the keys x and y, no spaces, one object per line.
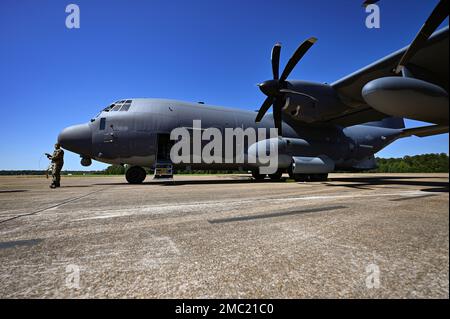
{"x":57,"y":159}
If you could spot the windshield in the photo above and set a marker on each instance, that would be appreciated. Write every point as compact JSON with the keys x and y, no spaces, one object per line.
{"x":122,"y":105}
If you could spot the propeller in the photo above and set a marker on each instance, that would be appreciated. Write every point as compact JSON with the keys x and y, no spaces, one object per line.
{"x":276,"y":88}
{"x":369,"y":2}
{"x":435,"y":19}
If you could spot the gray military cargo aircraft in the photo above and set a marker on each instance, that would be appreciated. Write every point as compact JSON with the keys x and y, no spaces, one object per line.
{"x":321,"y":127}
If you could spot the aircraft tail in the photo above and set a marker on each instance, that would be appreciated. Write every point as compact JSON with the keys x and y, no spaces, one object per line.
{"x":389,"y":122}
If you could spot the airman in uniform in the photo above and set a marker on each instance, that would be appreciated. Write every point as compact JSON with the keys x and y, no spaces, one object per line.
{"x":57,"y":159}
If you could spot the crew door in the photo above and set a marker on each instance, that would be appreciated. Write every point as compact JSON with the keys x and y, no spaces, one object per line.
{"x":164,"y":146}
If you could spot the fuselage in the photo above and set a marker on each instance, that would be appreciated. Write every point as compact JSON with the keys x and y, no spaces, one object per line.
{"x":133,"y":135}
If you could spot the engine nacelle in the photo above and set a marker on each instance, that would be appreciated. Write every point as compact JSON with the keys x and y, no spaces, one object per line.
{"x":408,"y":97}
{"x":313,"y":102}
{"x":312,"y":165}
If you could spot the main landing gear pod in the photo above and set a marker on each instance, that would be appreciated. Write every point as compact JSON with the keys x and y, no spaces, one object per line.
{"x":314,"y":169}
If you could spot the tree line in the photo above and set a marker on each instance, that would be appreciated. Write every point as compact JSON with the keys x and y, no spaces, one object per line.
{"x":426,"y":163}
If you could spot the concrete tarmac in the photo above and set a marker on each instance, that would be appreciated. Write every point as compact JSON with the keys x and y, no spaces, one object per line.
{"x":354,"y":236}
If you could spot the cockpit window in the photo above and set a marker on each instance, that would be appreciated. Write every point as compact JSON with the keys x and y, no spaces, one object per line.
{"x":126,"y":106}
{"x":122,"y":105}
{"x":108,"y":108}
{"x":116,"y":107}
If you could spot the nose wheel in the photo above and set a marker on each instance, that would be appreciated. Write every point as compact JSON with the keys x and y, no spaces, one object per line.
{"x":135,"y":175}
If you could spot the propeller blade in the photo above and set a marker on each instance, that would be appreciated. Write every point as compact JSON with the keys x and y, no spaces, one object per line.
{"x":275,"y":57}
{"x":277,"y":106}
{"x":263,"y":109}
{"x":368,"y":2}
{"x":301,"y":50}
{"x":438,"y":15}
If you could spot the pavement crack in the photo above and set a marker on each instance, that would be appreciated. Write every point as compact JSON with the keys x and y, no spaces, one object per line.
{"x":69,"y":200}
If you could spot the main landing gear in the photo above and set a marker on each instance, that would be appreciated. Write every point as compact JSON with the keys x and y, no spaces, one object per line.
{"x":256,"y":175}
{"x":310,"y":177}
{"x":135,"y":175}
{"x":320,"y":177}
{"x":275,"y":176}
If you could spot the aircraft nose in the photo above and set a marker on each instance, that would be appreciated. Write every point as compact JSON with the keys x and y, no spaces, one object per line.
{"x":77,"y":138}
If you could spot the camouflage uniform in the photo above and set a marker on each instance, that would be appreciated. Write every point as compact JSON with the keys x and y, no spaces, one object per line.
{"x":57,"y":159}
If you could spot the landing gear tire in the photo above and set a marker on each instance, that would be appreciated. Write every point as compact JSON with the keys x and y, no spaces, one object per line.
{"x":276,"y":176}
{"x":291,"y":173}
{"x":301,"y":177}
{"x":256,"y":175}
{"x":135,"y":175}
{"x":86,"y":161}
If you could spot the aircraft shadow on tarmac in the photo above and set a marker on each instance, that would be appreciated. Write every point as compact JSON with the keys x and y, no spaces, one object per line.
{"x":200,"y":182}
{"x":77,"y":186}
{"x":365,"y":182}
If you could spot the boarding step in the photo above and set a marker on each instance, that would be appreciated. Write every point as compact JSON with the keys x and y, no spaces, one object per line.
{"x":163,"y":170}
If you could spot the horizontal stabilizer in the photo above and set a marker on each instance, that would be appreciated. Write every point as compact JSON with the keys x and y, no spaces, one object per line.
{"x":425,"y":131}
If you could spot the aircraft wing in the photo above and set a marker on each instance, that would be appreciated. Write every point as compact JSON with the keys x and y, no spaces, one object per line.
{"x":425,"y":131}
{"x":430,"y":63}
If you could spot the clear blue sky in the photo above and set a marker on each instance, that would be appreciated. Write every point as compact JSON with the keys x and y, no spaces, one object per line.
{"x":212,"y":51}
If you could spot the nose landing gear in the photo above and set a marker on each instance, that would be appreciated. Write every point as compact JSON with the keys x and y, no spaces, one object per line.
{"x":86,"y":161}
{"x":135,"y":175}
